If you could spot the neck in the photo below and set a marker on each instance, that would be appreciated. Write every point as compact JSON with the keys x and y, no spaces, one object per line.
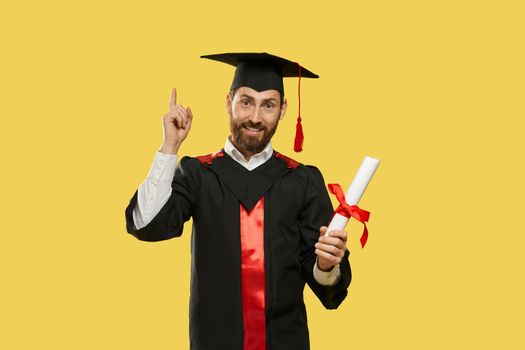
{"x":246,"y":153}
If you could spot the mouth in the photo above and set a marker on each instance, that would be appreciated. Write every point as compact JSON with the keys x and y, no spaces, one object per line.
{"x":253,"y":131}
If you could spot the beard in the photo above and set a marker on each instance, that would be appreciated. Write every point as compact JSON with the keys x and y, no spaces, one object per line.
{"x":252,"y":144}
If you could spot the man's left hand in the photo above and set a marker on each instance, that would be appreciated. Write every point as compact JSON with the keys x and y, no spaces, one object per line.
{"x":330,"y":249}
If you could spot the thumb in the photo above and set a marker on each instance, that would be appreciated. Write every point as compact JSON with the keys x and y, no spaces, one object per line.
{"x":190,"y":116}
{"x":322,"y":230}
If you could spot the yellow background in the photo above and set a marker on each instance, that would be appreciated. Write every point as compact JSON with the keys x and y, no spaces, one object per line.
{"x":434,"y":89}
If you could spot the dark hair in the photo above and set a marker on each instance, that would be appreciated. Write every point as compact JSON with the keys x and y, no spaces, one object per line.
{"x":233,"y":91}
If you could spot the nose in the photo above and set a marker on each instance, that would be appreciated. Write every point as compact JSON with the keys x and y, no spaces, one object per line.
{"x":256,"y":116}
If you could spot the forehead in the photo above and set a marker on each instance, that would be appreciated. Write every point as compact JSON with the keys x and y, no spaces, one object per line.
{"x":258,"y":95}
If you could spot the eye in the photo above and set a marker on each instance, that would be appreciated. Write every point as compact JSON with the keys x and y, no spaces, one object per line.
{"x":269,"y":105}
{"x":245,"y":102}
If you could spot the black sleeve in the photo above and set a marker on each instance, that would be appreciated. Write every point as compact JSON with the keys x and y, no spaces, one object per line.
{"x":316,"y":213}
{"x":169,"y":221}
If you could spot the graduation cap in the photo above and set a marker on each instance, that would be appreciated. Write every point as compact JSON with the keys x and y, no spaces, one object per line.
{"x":262,"y":71}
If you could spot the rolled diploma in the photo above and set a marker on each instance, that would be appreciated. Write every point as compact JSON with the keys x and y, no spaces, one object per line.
{"x":355,"y":191}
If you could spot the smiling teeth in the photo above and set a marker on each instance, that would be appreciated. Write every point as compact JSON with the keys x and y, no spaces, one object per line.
{"x":252,"y":129}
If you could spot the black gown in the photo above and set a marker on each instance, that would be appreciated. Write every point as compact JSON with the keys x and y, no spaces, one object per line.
{"x":211,"y":189}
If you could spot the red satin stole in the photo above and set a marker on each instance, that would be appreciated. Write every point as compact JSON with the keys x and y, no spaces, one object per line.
{"x":253,"y":277}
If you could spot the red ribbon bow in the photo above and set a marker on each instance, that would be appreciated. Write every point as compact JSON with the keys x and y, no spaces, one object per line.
{"x":348,"y":210}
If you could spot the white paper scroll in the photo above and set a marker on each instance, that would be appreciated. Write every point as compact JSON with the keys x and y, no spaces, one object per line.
{"x":355,"y":191}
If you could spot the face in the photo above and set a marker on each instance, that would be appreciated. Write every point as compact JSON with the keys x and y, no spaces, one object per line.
{"x":254,"y":117}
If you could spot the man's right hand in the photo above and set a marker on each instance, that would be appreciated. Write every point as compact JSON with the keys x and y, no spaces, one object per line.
{"x":177,"y":124}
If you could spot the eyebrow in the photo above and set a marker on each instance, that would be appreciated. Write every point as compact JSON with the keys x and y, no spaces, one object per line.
{"x":265,"y":100}
{"x":247,"y":96}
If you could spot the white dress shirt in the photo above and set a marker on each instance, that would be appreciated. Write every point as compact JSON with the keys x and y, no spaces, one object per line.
{"x":155,"y":191}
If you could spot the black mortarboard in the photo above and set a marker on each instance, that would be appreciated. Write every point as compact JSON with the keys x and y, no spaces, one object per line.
{"x":262,"y":71}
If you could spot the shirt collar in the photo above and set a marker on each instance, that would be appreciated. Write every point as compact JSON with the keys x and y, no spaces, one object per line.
{"x":233,"y":152}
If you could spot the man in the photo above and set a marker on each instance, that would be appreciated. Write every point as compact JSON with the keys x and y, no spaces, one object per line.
{"x":258,"y":219}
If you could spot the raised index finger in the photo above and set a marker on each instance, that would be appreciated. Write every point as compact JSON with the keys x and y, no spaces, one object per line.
{"x":173,"y":100}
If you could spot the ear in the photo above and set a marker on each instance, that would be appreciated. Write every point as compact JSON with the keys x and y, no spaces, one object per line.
{"x":228,"y":103}
{"x":283,"y":108}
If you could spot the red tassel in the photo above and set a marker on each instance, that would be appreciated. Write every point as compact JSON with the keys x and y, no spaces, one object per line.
{"x":299,"y":136}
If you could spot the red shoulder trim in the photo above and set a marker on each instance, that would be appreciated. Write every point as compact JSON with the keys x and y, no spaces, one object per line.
{"x":208,"y":158}
{"x":292,"y":164}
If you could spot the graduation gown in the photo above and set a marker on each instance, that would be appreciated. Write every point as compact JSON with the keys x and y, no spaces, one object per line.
{"x":252,"y":249}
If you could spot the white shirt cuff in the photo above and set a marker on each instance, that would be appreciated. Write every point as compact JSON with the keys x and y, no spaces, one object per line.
{"x":327,"y":278}
{"x":163,"y":167}
{"x":155,"y":190}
